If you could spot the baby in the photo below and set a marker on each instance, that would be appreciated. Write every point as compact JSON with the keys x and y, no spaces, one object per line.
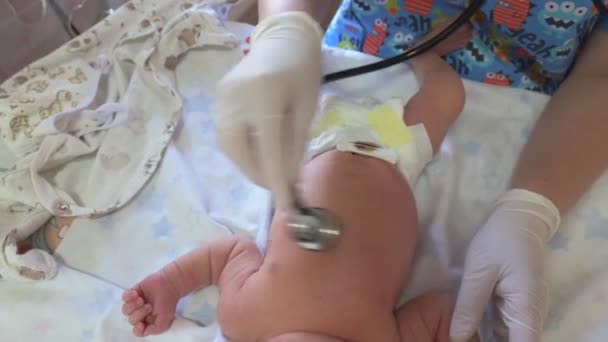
{"x":363,"y":158}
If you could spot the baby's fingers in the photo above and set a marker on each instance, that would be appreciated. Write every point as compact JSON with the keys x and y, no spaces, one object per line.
{"x":130,"y":295}
{"x":129,"y":307}
{"x":138,"y":329}
{"x":138,"y":315}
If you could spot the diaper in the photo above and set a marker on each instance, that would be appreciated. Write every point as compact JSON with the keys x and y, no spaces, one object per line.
{"x":371,"y":128}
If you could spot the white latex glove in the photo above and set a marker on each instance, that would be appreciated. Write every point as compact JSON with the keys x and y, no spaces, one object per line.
{"x":506,"y":259}
{"x":266,"y":103}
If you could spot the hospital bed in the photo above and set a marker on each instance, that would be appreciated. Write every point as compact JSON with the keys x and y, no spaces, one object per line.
{"x":196,"y":195}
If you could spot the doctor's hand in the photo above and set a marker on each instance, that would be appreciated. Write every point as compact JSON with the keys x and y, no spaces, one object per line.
{"x":266,"y":103}
{"x":506,"y":259}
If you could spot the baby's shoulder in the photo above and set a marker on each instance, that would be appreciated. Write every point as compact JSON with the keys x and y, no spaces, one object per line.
{"x":244,"y":260}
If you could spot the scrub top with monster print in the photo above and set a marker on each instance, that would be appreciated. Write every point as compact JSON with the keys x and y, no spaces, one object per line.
{"x":519,"y":43}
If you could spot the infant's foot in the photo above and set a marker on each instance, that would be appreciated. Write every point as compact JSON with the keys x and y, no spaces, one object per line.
{"x":150,"y":305}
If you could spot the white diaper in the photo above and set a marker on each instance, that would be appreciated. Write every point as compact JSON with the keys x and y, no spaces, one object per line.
{"x":372,"y":128}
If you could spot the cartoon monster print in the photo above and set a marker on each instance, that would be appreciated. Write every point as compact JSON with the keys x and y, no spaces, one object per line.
{"x":364,"y":6}
{"x":401,"y":41}
{"x":497,"y":78}
{"x":455,"y":3}
{"x":391,"y":6}
{"x":420,"y":7}
{"x":501,"y":44}
{"x":560,"y":17}
{"x":476,"y":54}
{"x":526,"y":83}
{"x":375,"y":39}
{"x":346,"y":43}
{"x":511,"y":13}
{"x":350,"y":22}
{"x":20,"y":124}
{"x":439,"y":17}
{"x":561,"y":57}
{"x":537,"y":75}
{"x":522,"y":53}
{"x":478,"y":18}
{"x":565,"y":51}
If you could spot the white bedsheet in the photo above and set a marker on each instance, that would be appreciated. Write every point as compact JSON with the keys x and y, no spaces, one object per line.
{"x":197,"y":195}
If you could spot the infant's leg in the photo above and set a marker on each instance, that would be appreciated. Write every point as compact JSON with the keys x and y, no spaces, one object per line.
{"x":438,"y":101}
{"x":427,"y":318}
{"x":441,"y":95}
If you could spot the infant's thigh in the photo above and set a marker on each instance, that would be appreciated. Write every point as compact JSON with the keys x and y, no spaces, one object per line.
{"x":426,"y":318}
{"x":359,"y":189}
{"x":375,"y":209}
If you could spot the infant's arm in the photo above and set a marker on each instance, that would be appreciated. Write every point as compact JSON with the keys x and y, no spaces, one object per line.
{"x":221,"y":262}
{"x":150,"y":304}
{"x":426,"y":318}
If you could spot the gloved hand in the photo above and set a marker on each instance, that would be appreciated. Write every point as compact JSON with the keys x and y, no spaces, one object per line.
{"x":266,"y":103}
{"x":506,"y":258}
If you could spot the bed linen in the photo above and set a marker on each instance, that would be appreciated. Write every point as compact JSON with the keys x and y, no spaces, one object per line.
{"x":197,"y":195}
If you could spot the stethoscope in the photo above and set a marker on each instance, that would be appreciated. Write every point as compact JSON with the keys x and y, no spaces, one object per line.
{"x":315,"y":229}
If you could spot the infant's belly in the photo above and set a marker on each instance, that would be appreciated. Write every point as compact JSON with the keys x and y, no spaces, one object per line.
{"x":375,"y":208}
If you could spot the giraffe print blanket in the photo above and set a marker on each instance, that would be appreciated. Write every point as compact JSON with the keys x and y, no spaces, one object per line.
{"x":87,"y":125}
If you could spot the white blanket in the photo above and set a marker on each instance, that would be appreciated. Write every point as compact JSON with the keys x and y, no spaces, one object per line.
{"x":197,"y":195}
{"x":88,"y":124}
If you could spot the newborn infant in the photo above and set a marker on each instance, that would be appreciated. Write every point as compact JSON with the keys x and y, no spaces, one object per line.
{"x":363,"y":157}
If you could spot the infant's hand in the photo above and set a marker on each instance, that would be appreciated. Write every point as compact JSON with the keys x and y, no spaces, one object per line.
{"x":150,"y":305}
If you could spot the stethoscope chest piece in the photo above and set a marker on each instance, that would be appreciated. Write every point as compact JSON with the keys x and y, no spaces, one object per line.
{"x":314,"y":229}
